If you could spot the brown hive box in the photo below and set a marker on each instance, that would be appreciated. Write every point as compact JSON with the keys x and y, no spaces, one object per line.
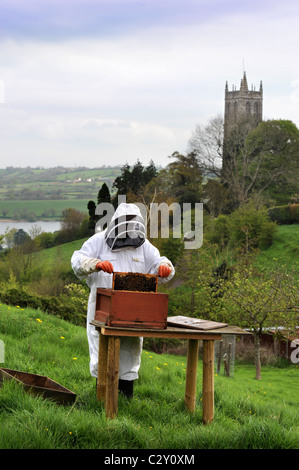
{"x":133,"y":302}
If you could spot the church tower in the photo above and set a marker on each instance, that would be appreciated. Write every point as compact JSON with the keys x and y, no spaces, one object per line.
{"x":242,"y":103}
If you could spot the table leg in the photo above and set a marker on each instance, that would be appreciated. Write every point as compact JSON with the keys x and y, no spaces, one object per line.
{"x":102,"y":368}
{"x":208,"y":382}
{"x":112,"y":376}
{"x":191,"y":374}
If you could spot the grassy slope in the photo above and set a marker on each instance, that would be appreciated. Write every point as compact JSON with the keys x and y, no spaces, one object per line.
{"x":64,"y":252}
{"x":248,"y":413}
{"x":39,"y":207}
{"x":284,"y":251}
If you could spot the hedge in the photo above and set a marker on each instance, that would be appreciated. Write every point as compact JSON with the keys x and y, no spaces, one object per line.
{"x":285,"y":214}
{"x":67,"y":309}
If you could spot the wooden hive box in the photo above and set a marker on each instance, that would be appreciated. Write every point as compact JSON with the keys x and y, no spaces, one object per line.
{"x":133,"y":302}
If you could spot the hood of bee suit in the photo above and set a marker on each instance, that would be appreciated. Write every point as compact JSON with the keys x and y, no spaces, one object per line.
{"x":126,"y":229}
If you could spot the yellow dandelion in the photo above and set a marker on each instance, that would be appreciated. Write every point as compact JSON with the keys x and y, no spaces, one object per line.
{"x":39,"y":320}
{"x":158,"y":368}
{"x":62,"y":337}
{"x":74,"y":358}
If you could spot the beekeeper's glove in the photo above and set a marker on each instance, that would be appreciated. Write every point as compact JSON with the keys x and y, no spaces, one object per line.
{"x":105,"y":266}
{"x":164,"y":271}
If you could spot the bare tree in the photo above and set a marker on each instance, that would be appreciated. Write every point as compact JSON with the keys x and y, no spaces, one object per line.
{"x":252,"y":158}
{"x":207,"y":143}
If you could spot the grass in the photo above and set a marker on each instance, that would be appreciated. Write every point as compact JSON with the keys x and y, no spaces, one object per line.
{"x":42,"y":206}
{"x":249,"y":414}
{"x":284,"y":252}
{"x":64,"y":252}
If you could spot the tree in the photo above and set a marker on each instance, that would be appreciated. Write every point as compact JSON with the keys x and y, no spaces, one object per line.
{"x":207,"y":144}
{"x":133,"y":181}
{"x":103,"y":196}
{"x":250,"y":228}
{"x":274,"y":147}
{"x":91,"y":206}
{"x":71,"y":220}
{"x":20,"y":237}
{"x":254,"y":300}
{"x":185,"y":178}
{"x":252,"y":159}
{"x":215,"y":197}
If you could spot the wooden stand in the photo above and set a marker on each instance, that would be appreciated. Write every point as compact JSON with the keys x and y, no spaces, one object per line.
{"x":208,"y":382}
{"x":108,"y":368}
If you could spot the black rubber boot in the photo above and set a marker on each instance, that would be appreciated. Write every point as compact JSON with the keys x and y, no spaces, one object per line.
{"x":126,"y":387}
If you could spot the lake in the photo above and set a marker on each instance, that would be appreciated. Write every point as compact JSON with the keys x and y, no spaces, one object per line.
{"x":45,"y":226}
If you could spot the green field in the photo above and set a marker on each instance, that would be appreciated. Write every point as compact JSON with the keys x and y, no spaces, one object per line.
{"x":43,"y":209}
{"x":249,"y":414}
{"x":284,"y":252}
{"x":27,"y":191}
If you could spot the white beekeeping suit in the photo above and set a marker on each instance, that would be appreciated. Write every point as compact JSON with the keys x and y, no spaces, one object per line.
{"x":123,"y":244}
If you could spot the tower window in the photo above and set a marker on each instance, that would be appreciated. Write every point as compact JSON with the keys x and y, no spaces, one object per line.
{"x":256,"y":108}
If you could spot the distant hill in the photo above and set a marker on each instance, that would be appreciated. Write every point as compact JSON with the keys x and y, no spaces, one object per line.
{"x":54,"y":183}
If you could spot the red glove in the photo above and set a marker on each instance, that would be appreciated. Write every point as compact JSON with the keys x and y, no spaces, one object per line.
{"x":105,"y":266}
{"x":164,"y":271}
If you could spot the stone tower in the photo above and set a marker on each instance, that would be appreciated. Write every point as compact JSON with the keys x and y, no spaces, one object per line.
{"x":242,"y":103}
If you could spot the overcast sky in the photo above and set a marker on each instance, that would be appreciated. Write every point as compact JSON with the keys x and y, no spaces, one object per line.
{"x":105,"y":82}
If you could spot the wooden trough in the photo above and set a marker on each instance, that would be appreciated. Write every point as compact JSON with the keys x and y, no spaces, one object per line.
{"x":133,"y":302}
{"x":39,"y":385}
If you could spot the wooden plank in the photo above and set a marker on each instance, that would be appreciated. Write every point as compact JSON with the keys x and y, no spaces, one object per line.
{"x":179,"y":333}
{"x":191,"y":374}
{"x":196,"y":323}
{"x":102,"y":368}
{"x":208,"y":382}
{"x":112,"y":377}
{"x":230,"y":330}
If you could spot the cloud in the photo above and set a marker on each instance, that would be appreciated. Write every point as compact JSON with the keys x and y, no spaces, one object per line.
{"x":117,"y":79}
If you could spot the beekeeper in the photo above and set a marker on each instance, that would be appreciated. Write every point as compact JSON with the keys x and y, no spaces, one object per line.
{"x":121,"y":247}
